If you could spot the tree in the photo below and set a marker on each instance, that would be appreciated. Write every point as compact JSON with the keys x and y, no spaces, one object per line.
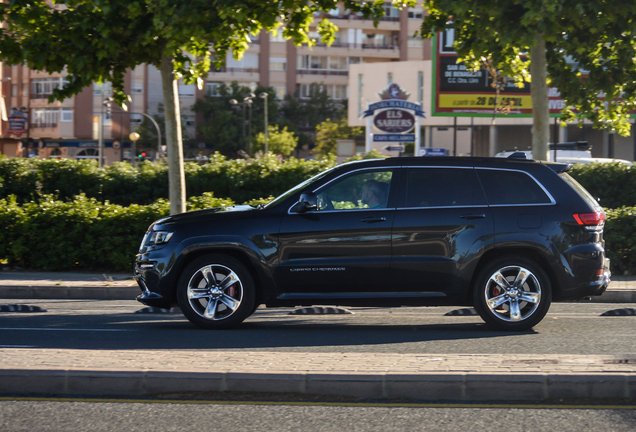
{"x":584,"y":48}
{"x":99,"y":40}
{"x":329,"y":132}
{"x":222,"y":126}
{"x":278,"y":141}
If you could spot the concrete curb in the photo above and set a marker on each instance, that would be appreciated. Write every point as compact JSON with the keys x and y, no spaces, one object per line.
{"x":131,"y":292}
{"x":465,"y":387}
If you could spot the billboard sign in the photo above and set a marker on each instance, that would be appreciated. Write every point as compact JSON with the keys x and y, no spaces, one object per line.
{"x":459,"y":92}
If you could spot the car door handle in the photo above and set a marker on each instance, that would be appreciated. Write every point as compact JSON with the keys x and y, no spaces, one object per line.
{"x":473,"y":216}
{"x":373,"y":219}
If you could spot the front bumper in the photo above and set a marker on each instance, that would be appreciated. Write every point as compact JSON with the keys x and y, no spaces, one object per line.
{"x":148,"y":297}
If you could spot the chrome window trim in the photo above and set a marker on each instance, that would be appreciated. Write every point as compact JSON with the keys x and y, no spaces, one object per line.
{"x":391,"y":168}
{"x":443,"y":207}
{"x":552,"y":200}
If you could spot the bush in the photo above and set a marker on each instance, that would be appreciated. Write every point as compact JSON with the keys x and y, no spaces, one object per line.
{"x":120,"y":183}
{"x":620,"y":239}
{"x":81,"y":233}
{"x":613,"y":183}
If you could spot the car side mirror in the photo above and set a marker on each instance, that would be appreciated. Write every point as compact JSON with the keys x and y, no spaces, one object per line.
{"x":307,"y":201}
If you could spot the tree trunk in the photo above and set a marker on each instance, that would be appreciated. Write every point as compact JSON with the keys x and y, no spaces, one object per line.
{"x":539,"y":95}
{"x":174,"y":141}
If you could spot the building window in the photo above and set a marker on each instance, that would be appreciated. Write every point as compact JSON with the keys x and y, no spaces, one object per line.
{"x":67,"y":115}
{"x":416,"y":13}
{"x":45,"y":117}
{"x":14,"y":90}
{"x":212,"y":88}
{"x":55,"y":152}
{"x":25,"y":90}
{"x":186,"y":90}
{"x":136,"y":119}
{"x":103,"y":89}
{"x":137,"y":88}
{"x":189,"y":120}
{"x":280,"y":92}
{"x":278,"y":37}
{"x":389,"y":78}
{"x":334,"y":91}
{"x":324,"y":62}
{"x":390,"y":11}
{"x":279,"y":64}
{"x":42,"y":88}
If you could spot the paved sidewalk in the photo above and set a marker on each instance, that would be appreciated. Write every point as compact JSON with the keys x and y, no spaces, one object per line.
{"x":423,"y":377}
{"x":52,"y":285}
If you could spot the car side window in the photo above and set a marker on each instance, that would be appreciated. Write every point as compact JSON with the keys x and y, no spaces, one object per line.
{"x":443,"y":187}
{"x":511,"y":187}
{"x":361,"y":190}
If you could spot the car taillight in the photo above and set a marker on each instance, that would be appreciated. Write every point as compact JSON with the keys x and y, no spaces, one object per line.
{"x":590,"y":221}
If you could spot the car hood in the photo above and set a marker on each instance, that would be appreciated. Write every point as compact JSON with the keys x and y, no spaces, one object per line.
{"x":193,"y":216}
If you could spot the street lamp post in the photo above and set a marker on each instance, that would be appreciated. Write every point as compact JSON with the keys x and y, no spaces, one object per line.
{"x":264,"y":97}
{"x":133,"y":137}
{"x":247,"y":101}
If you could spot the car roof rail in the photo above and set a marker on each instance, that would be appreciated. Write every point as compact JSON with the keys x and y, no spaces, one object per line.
{"x":571,"y":145}
{"x":518,"y":155}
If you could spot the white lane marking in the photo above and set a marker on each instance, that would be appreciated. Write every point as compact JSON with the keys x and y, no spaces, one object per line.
{"x":64,"y":329}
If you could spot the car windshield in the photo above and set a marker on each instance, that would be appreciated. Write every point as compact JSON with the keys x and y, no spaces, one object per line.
{"x":298,"y":188}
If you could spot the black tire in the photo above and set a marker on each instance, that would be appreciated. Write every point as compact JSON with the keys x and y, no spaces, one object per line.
{"x":216,"y":292}
{"x":512,"y":293}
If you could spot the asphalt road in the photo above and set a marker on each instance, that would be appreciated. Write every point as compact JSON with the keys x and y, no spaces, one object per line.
{"x":133,"y":417}
{"x":569,"y":328}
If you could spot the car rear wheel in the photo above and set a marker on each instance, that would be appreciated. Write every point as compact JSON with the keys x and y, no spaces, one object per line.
{"x":512,"y":293}
{"x":216,"y":292}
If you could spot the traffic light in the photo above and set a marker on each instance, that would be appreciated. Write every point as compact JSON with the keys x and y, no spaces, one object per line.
{"x":141,"y":155}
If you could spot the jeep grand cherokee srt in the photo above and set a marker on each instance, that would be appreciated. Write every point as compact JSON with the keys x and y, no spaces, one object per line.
{"x":507,"y":236}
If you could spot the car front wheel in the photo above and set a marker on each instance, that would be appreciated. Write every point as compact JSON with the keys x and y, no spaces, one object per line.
{"x":512,"y":293}
{"x":216,"y":292}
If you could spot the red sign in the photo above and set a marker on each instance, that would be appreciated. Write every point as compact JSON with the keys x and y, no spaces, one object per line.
{"x":394,"y":121}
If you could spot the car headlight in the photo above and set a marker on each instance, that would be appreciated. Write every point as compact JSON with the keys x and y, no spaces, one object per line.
{"x":159,"y":238}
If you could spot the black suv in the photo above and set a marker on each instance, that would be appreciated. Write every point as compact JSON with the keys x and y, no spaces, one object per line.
{"x":508,"y":236}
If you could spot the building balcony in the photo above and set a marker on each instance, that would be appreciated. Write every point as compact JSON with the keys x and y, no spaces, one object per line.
{"x":43,"y":125}
{"x":322,"y":72}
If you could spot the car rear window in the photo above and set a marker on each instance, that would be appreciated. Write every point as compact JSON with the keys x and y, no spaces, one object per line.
{"x":505,"y":187}
{"x":580,"y":190}
{"x":443,"y":187}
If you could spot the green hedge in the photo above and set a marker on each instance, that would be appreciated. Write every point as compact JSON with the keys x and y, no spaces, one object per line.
{"x":120,"y":183}
{"x":620,"y":239}
{"x":81,"y":233}
{"x":613,"y":183}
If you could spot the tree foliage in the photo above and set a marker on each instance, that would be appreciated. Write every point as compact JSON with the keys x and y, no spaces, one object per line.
{"x":330,"y":131}
{"x":279,"y":141}
{"x":590,"y":48}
